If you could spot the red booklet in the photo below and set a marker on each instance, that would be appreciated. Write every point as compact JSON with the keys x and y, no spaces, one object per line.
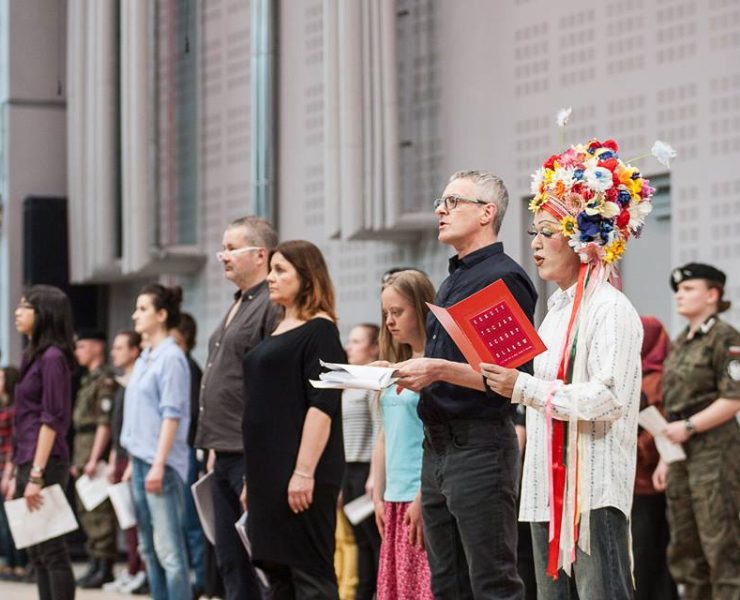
{"x":491,"y":327}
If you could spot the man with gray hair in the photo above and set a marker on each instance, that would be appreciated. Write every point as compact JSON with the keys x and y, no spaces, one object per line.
{"x":470,"y":469}
{"x":247,"y":243}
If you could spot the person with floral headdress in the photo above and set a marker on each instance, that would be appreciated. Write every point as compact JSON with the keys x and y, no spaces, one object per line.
{"x":584,"y":397}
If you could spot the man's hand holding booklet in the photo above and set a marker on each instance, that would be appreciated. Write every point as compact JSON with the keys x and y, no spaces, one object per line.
{"x":490,"y":327}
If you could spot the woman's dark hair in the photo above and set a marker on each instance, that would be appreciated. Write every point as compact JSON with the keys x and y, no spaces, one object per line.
{"x":188,"y":329}
{"x":316,"y":293}
{"x":52,"y":324}
{"x":12,"y":375}
{"x":165,"y":298}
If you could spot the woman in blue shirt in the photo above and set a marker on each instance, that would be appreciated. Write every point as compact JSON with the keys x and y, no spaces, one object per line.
{"x":156,"y":417}
{"x":404,"y":570}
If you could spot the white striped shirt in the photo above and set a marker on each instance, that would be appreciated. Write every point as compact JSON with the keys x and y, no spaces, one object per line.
{"x":360,"y":424}
{"x":605,"y":395}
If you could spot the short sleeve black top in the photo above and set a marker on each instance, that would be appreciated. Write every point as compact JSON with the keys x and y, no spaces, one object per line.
{"x":278,"y":397}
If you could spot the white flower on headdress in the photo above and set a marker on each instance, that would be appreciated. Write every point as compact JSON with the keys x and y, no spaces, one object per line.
{"x":564,"y":116}
{"x":537,"y":178}
{"x":599,"y":205}
{"x":599,"y":179}
{"x":638,"y":213}
{"x":663,"y":153}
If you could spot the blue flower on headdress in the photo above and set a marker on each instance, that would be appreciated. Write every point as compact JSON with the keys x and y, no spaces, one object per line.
{"x":578,"y":174}
{"x":589,"y":226}
{"x":605,"y":228}
{"x":624,"y":198}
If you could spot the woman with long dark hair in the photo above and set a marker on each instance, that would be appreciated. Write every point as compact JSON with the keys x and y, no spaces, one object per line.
{"x":43,"y":404}
{"x":293,"y":432}
{"x":156,"y":417}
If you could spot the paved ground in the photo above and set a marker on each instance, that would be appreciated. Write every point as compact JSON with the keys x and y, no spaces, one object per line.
{"x":27,"y":591}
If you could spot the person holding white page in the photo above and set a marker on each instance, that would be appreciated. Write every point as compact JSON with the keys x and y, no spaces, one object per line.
{"x":43,"y":403}
{"x":124,"y":351}
{"x":293,"y":431}
{"x":156,"y":417}
{"x":360,"y":429}
{"x":648,"y":523}
{"x":403,"y":570}
{"x":701,"y":396}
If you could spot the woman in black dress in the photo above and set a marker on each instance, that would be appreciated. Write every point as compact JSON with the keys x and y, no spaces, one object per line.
{"x":293,"y":432}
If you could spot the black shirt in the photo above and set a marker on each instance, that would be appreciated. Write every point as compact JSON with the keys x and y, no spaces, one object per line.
{"x":442,"y":402}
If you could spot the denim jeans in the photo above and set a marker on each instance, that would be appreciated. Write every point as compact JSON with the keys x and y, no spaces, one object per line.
{"x":469,"y":483}
{"x":605,"y":573}
{"x":161,"y":540}
{"x":194,"y":536}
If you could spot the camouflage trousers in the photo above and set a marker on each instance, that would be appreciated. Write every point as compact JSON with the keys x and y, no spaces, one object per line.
{"x":99,"y":526}
{"x":703,"y":498}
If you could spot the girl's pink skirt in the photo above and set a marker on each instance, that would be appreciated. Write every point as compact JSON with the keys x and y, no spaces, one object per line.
{"x":403,"y":573}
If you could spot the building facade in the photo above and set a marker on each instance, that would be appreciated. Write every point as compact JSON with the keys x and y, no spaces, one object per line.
{"x":343,"y":121}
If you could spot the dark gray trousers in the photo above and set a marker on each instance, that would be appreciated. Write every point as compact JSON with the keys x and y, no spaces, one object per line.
{"x":469,"y":484}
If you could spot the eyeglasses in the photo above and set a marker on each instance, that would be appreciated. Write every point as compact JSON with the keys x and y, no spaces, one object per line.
{"x":236,"y":252}
{"x":25,"y":305}
{"x":545,"y":232}
{"x":450,"y":202}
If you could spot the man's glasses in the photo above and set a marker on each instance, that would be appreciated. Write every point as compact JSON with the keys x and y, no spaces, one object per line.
{"x":236,"y":252}
{"x":25,"y":305}
{"x":450,"y":202}
{"x":545,"y":232}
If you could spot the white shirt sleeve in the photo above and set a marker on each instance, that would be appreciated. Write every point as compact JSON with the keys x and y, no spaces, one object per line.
{"x":613,"y":341}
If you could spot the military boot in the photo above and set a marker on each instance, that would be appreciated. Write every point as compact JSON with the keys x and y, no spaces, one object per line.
{"x":103,"y":575}
{"x":92,"y":567}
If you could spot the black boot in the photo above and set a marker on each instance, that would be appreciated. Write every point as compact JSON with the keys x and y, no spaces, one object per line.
{"x":92,"y":567}
{"x":104,"y":574}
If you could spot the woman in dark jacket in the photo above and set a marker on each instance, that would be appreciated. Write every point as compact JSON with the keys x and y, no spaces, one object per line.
{"x":43,"y":404}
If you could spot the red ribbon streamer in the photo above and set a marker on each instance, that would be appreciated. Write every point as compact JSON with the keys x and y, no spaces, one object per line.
{"x":558,"y":466}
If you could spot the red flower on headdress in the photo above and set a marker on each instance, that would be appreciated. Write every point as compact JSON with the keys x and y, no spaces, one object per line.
{"x":610,"y":163}
{"x":550,"y":162}
{"x":611,"y":144}
{"x":612,"y":194}
{"x":623,"y":218}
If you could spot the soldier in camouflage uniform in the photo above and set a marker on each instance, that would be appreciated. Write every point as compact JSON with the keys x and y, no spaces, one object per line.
{"x":92,"y":420}
{"x":701,"y":392}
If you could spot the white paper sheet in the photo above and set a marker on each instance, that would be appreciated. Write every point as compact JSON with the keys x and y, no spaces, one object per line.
{"x":54,"y":518}
{"x":123,"y":504}
{"x":359,"y":509}
{"x":203,"y":496}
{"x":93,"y":491}
{"x":241,"y":528}
{"x":359,"y":377}
{"x":651,"y":420}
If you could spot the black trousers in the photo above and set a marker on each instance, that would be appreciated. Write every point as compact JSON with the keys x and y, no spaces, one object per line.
{"x":289,"y":583}
{"x":240,"y":580}
{"x":50,"y":559}
{"x":469,"y":483}
{"x":650,"y":537}
{"x":366,"y":533}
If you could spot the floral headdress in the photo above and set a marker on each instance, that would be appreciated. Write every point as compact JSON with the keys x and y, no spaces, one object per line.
{"x":599,"y":200}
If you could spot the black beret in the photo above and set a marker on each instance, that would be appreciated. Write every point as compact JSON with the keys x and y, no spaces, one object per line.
{"x":91,"y":334}
{"x":696,"y":271}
